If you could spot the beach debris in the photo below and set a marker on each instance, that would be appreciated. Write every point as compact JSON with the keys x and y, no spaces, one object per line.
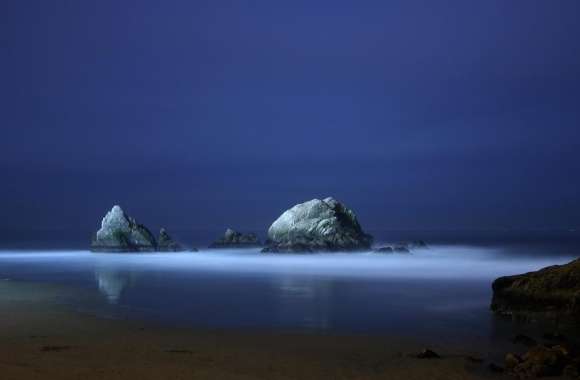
{"x":427,"y":354}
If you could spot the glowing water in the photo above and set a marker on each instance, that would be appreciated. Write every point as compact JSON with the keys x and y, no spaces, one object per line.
{"x":438,"y":291}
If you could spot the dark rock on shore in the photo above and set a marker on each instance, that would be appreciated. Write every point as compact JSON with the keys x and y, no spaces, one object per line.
{"x":235,"y":239}
{"x":541,"y":361}
{"x":428,"y":354}
{"x":550,"y":293}
{"x":317,"y":226}
{"x":166,"y":244}
{"x":121,"y":233}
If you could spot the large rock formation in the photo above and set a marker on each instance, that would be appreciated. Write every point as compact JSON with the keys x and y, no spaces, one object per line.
{"x":552,"y":293}
{"x":317,"y":225}
{"x":234,"y":239}
{"x":165,"y":243}
{"x":121,"y":233}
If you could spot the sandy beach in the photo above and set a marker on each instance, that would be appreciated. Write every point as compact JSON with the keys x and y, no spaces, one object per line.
{"x":42,"y":341}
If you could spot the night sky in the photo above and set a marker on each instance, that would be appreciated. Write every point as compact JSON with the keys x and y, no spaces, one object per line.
{"x":208,"y":114}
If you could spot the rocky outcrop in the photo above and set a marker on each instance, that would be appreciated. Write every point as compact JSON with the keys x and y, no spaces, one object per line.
{"x":405,"y":247}
{"x":234,"y":239}
{"x":317,"y":225}
{"x":544,"y":361}
{"x":552,"y":293}
{"x":166,"y":244}
{"x":395,"y":248}
{"x":121,"y":233}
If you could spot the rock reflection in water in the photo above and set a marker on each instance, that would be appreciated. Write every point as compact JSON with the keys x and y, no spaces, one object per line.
{"x":306,"y":300}
{"x":113,"y":282}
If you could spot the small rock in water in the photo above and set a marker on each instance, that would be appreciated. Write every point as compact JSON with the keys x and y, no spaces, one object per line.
{"x":387,"y":249}
{"x":235,"y":239}
{"x":418,"y":244}
{"x":400,"y":248}
{"x":394,"y":248}
{"x":428,"y":354}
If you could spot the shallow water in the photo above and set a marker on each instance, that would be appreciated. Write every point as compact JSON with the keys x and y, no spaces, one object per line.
{"x":442,"y":292}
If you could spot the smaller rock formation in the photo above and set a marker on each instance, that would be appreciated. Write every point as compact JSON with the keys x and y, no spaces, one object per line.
{"x":428,"y":354}
{"x":550,"y":293}
{"x":395,"y":248}
{"x":234,"y":239}
{"x":417,"y":244}
{"x":121,"y":233}
{"x":166,"y":244}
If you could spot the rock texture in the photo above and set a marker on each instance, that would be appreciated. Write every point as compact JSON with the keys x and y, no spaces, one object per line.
{"x":395,"y":248}
{"x":317,"y":225}
{"x":552,"y":292}
{"x":234,"y":239}
{"x":166,"y":244}
{"x":121,"y":233}
{"x":404,"y":247}
{"x":543,"y":361}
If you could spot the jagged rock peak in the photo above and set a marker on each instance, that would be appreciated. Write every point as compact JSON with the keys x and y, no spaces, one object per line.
{"x":121,"y":233}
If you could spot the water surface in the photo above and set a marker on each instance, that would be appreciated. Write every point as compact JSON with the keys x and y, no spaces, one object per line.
{"x":442,"y":292}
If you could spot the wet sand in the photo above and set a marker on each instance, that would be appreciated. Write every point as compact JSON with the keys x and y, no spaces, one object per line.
{"x":41,"y":340}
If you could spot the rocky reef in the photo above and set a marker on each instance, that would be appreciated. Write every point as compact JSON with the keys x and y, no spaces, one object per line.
{"x":165,"y":243}
{"x":121,"y":233}
{"x":404,"y":247}
{"x":554,"y":356}
{"x":235,"y":239}
{"x":317,"y":225}
{"x":550,"y":293}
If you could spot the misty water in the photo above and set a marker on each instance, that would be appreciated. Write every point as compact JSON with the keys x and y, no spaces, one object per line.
{"x":439,"y":292}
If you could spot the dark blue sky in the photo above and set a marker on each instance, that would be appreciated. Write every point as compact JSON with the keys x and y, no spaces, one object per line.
{"x":192,"y":114}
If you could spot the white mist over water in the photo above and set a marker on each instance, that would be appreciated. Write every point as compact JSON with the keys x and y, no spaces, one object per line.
{"x":441,"y":262}
{"x":442,"y":290}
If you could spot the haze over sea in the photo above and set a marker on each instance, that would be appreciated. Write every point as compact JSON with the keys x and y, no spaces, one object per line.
{"x":441,"y":292}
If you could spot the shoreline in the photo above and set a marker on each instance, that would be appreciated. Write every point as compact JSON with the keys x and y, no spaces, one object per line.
{"x":39,"y":339}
